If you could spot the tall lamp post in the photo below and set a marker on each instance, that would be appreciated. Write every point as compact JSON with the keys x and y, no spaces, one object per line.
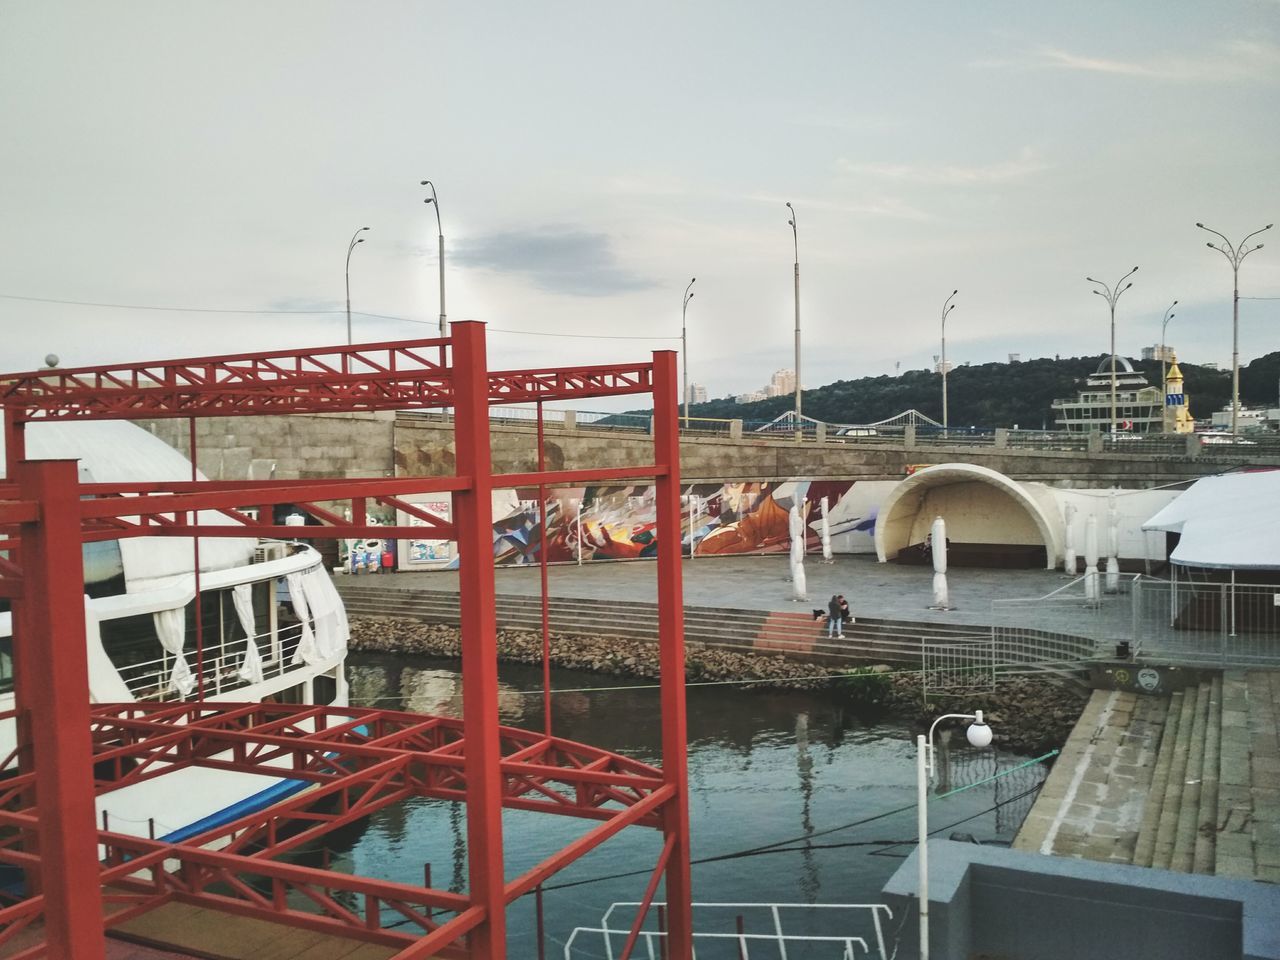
{"x":1164,"y":363}
{"x":355,"y":238}
{"x":434,"y":201}
{"x":947,"y":307}
{"x":1111,"y":296}
{"x":1235,"y":256}
{"x":979,"y":735}
{"x":795,"y":241}
{"x":684,"y":347}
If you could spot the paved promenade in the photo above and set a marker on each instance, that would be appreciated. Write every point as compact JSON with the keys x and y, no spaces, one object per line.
{"x":886,"y":590}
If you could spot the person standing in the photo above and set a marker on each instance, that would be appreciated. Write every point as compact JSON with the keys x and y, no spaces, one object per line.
{"x":846,"y":616}
{"x":835,"y":618}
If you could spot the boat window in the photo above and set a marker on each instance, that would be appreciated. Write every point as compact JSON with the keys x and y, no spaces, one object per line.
{"x":6,"y":664}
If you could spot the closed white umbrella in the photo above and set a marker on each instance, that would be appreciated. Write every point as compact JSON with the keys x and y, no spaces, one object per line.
{"x":797,"y":555}
{"x":938,"y":537}
{"x":1091,"y":586}
{"x":1069,"y":565}
{"x":1113,"y":544}
{"x":825,"y":529}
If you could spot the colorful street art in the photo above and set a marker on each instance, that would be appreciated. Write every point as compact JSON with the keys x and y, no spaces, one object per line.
{"x":620,"y":522}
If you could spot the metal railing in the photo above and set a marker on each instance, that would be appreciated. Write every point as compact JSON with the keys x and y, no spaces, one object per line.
{"x":149,"y":679}
{"x":737,"y":944}
{"x":959,"y":665}
{"x":1207,"y":622}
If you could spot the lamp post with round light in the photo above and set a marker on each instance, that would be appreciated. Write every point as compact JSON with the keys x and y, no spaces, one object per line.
{"x":355,"y":238}
{"x":684,"y":347}
{"x":1235,"y":256}
{"x":979,"y":735}
{"x":795,"y":242}
{"x":947,"y":307}
{"x":1164,"y":359}
{"x":434,"y":201}
{"x":1111,"y":295}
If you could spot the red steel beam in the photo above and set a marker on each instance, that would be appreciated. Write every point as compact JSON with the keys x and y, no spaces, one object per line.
{"x":473,"y":516}
{"x":675,"y":735}
{"x":51,"y":685}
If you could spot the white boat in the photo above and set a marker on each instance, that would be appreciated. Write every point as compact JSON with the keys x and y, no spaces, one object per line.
{"x":140,"y":631}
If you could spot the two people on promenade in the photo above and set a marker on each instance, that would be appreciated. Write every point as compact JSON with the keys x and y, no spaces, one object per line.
{"x":837,"y":616}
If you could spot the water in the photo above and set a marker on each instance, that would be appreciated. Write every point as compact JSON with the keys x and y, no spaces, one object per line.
{"x":764,"y":766}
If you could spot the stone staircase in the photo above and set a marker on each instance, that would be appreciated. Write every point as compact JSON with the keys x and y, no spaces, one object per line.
{"x":1213,"y":801}
{"x":868,"y":640}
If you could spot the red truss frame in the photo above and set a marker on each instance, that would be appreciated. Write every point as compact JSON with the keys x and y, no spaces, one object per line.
{"x":355,"y":760}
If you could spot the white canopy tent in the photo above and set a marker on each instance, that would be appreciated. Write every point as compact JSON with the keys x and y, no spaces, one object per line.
{"x":1229,"y":522}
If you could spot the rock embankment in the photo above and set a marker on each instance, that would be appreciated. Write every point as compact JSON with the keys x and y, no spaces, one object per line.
{"x":1026,"y":716}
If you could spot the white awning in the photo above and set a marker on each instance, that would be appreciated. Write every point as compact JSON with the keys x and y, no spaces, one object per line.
{"x":1228,"y":522}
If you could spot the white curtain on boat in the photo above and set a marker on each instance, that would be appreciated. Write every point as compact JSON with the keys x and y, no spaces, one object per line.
{"x":324,"y":610}
{"x":251,"y":668}
{"x":306,"y":652}
{"x":171,"y":628}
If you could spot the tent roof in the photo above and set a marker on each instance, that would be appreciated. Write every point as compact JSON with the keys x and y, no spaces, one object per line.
{"x":1228,"y":522}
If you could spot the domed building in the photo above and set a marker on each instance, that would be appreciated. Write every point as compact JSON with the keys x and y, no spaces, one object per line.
{"x":1139,"y":405}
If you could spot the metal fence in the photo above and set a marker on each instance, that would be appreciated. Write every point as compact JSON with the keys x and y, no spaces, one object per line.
{"x":1211,"y":623}
{"x":962,"y":665}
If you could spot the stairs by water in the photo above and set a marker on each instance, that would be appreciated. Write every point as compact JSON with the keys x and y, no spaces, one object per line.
{"x":1213,"y":803}
{"x":898,"y":643}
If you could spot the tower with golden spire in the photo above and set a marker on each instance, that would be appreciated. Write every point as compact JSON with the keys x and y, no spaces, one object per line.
{"x":1177,"y":415}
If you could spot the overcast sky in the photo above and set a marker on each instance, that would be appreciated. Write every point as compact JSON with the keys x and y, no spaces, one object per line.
{"x":590,"y":158}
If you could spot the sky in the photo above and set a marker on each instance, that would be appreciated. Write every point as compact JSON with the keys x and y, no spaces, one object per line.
{"x":591,"y":158}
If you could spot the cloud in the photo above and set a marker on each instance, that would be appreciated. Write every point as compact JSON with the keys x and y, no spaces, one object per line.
{"x":1027,"y":163}
{"x":1228,"y":62}
{"x":556,"y":259}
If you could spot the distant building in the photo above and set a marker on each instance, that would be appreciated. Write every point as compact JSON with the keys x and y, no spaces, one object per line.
{"x":782,"y":383}
{"x":1212,"y":365}
{"x":937,"y":366}
{"x":697,"y":393}
{"x":1015,"y":358}
{"x":1163,"y":354}
{"x":1139,"y":406}
{"x":751,"y":397}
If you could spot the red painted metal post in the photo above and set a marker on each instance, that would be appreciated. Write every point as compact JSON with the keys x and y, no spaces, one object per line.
{"x":15,"y":441}
{"x":473,"y":518}
{"x":195,"y":555}
{"x":675,"y":820}
{"x":542,"y":572}
{"x":49,"y":642}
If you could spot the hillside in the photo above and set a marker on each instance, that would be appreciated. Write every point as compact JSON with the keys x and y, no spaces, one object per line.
{"x":996,"y":394}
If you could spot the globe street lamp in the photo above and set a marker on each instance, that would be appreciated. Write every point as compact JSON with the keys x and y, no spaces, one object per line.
{"x":1235,"y":256}
{"x":1164,"y":364}
{"x":795,"y":241}
{"x":979,"y":735}
{"x":1111,"y":296}
{"x":434,"y":201}
{"x":684,"y":348}
{"x":947,"y":307}
{"x":355,"y":238}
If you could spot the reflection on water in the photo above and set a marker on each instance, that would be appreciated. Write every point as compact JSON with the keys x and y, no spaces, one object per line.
{"x":764,"y":766}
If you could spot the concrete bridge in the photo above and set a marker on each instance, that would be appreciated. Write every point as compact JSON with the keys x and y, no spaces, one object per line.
{"x":422,"y":444}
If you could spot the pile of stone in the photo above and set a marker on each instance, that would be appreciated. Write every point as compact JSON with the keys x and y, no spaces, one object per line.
{"x":613,"y":656}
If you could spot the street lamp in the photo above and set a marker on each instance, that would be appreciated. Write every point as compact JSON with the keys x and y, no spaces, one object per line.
{"x":684,"y":347}
{"x":433,"y":200}
{"x":795,"y":240}
{"x":1164,"y":364}
{"x":947,"y":307}
{"x":979,"y":735}
{"x":1111,"y":296}
{"x":355,"y":238}
{"x":1235,"y":256}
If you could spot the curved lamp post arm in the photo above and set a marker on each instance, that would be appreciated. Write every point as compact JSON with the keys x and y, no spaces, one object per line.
{"x":1217,"y":234}
{"x":976,"y":717}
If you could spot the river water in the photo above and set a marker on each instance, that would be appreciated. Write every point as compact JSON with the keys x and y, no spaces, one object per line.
{"x":764,"y":766}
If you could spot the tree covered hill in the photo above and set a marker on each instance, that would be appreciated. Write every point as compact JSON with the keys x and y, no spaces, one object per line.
{"x":996,"y":394}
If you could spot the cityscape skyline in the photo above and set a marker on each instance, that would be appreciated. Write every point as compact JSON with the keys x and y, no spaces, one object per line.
{"x":920,"y":157}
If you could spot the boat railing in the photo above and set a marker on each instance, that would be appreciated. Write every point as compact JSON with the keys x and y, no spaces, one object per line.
{"x":840,"y":945}
{"x":149,"y":680}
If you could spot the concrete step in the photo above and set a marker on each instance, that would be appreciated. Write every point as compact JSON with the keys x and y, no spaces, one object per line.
{"x":1184,"y":843}
{"x":1207,"y":823}
{"x":1166,"y":832}
{"x":1145,"y":848}
{"x":1233,"y":854}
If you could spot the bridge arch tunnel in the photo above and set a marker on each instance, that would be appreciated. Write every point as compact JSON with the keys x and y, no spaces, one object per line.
{"x":985,"y":511}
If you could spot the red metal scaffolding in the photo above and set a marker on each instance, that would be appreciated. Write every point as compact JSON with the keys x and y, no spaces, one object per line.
{"x":359,"y":760}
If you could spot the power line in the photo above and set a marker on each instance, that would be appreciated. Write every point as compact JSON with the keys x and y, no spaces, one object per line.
{"x":312,"y":313}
